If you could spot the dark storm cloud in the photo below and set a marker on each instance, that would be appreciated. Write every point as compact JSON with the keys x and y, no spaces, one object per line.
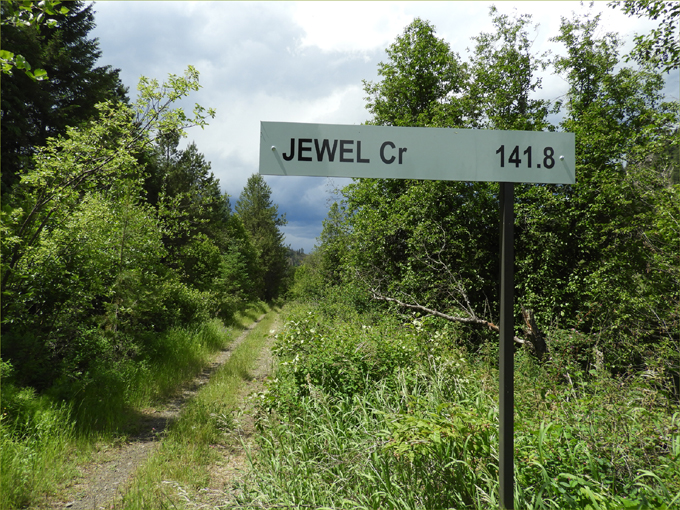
{"x":306,"y":201}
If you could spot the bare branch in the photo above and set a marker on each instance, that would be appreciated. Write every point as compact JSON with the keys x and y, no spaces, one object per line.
{"x":466,"y":320}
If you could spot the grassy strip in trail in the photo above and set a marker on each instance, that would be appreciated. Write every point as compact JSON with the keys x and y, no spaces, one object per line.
{"x":43,"y":440}
{"x":182,"y":464}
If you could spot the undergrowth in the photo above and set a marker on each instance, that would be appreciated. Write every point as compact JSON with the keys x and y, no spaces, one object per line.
{"x":44,"y":437}
{"x":400,"y":412}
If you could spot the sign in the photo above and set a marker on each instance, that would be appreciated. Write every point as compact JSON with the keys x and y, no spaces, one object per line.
{"x":331,"y":150}
{"x":507,"y":157}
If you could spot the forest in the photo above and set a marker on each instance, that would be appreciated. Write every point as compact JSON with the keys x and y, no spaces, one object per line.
{"x":124,"y":265}
{"x":119,"y":250}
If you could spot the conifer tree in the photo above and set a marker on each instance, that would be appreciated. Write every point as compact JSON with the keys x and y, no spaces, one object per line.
{"x":261,"y":218}
{"x":34,"y":110}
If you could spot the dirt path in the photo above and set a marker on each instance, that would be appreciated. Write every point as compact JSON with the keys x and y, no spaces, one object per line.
{"x":105,"y":479}
{"x":231,"y":473}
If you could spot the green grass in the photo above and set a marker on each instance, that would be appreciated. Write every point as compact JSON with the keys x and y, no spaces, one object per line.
{"x":34,"y":436}
{"x":43,"y":439}
{"x":425,"y":435}
{"x":429,"y":444}
{"x":189,"y":450}
{"x":375,"y":412}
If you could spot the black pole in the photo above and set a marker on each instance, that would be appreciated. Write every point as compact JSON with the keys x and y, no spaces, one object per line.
{"x":506,"y":353}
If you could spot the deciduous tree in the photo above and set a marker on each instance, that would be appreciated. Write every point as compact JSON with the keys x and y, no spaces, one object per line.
{"x":419,"y":82}
{"x":660,"y":47}
{"x":81,"y":249}
{"x":436,"y":243}
{"x":593,"y":255}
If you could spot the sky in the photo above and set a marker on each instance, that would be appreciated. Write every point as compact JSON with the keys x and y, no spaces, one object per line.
{"x":300,"y":62}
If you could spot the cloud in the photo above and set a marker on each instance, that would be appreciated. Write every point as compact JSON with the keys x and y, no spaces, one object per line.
{"x":344,"y":27}
{"x":298,"y":62}
{"x":301,"y":235}
{"x":245,"y":47}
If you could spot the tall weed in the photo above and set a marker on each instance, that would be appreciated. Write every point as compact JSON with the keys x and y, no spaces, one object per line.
{"x":381,"y":414}
{"x":35,"y":435}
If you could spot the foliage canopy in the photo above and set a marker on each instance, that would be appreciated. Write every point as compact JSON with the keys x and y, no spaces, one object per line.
{"x":594,"y":255}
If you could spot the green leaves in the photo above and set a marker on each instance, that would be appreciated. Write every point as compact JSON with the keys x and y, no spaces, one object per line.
{"x":152,"y":106}
{"x":596,"y":255}
{"x":84,"y":264}
{"x":661,"y":47}
{"x":8,"y":62}
{"x":65,"y":171}
{"x":436,"y":243}
{"x":32,"y":100}
{"x":419,"y":434}
{"x":503,"y":78}
{"x":31,"y":15}
{"x":426,"y":241}
{"x":418,"y":81}
{"x":369,"y":400}
{"x":624,"y":130}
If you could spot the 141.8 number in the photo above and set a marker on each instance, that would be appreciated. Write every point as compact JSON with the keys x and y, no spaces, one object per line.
{"x":548,"y":157}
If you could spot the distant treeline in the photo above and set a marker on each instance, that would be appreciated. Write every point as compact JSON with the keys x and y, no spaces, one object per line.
{"x":296,"y":257}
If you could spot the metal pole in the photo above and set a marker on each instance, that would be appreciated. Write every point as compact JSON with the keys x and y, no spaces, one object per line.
{"x":506,"y":353}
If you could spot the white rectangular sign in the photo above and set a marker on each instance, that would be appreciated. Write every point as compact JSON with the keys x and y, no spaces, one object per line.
{"x":331,"y":150}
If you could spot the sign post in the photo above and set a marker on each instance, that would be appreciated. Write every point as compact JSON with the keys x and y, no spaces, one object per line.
{"x":506,"y":381}
{"x":506,"y":157}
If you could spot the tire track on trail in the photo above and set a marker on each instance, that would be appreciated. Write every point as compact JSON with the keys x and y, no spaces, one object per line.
{"x":232,"y":473}
{"x":101,"y":482}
